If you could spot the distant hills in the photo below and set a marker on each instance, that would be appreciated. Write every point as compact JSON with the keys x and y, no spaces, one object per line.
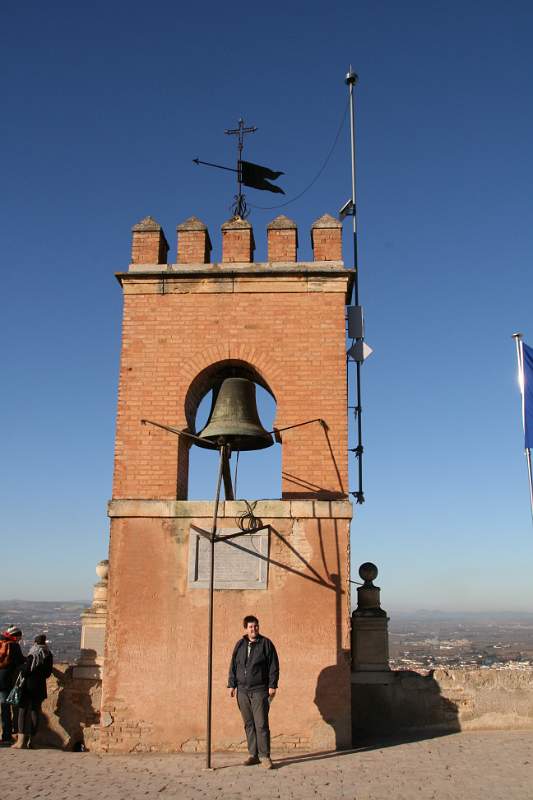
{"x":15,"y":603}
{"x":464,"y":616}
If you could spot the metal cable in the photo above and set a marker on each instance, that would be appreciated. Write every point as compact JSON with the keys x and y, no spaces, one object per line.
{"x":319,"y":173}
{"x":247,"y":521}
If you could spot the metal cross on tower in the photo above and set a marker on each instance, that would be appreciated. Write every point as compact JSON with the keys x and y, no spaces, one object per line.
{"x":239,"y":207}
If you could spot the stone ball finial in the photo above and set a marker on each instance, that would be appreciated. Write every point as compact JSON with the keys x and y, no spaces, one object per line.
{"x":102,"y":569}
{"x":368,"y":572}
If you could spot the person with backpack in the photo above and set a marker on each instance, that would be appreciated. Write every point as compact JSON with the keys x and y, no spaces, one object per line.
{"x":11,"y":659}
{"x":35,"y":670}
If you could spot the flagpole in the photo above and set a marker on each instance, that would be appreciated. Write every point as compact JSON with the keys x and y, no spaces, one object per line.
{"x":521,"y":380}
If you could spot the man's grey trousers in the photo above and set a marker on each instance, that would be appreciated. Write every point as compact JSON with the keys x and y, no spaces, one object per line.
{"x":254,"y":707}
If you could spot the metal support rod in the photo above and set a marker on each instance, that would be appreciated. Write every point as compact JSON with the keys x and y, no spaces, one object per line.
{"x":521,"y":382}
{"x":174,"y":430}
{"x":300,"y":424}
{"x":226,"y":477}
{"x":223,"y":456}
{"x":351,"y":80}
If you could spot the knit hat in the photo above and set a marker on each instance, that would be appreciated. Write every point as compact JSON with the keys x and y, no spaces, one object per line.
{"x":14,"y":630}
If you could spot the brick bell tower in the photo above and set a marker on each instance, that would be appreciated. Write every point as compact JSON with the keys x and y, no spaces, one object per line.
{"x":282,"y":324}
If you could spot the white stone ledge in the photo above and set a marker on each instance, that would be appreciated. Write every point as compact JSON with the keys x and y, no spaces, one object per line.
{"x":321,"y":276}
{"x":265,"y":509}
{"x":241,"y":267}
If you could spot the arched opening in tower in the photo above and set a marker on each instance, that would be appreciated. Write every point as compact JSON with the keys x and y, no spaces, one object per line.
{"x":255,"y":473}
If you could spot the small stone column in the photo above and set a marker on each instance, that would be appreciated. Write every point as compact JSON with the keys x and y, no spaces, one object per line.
{"x":370,"y":636}
{"x":282,"y":235}
{"x":148,"y":244}
{"x":326,"y":238}
{"x":93,"y":624}
{"x":238,"y":243}
{"x":194,"y":244}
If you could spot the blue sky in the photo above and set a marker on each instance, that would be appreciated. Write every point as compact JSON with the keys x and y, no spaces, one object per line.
{"x":105,"y":105}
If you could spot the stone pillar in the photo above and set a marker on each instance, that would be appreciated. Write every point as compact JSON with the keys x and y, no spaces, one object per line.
{"x":93,"y":624}
{"x":370,"y":637}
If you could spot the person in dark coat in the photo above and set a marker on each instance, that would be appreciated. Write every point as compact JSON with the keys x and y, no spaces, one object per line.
{"x":254,"y":675}
{"x":11,"y":659}
{"x":35,"y":670}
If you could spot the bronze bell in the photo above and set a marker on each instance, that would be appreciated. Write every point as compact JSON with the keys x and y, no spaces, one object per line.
{"x":234,"y":419}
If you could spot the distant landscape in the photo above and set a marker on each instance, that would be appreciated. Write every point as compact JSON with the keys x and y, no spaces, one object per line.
{"x":59,"y":620}
{"x":430,"y":639}
{"x":418,"y":640}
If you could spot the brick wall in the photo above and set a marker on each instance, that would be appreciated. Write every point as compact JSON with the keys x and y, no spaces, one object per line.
{"x":289,"y":326}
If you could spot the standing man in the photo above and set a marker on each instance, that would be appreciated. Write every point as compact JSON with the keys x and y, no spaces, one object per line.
{"x":254,"y":673}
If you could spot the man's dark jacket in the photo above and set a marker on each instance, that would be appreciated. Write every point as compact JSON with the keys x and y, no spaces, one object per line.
{"x":8,"y":674}
{"x":260,"y":671}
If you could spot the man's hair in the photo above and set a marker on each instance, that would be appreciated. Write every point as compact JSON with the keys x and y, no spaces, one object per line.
{"x":246,"y":621}
{"x":40,"y":639}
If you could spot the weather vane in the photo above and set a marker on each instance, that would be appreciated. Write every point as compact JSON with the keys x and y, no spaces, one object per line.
{"x":252,"y":175}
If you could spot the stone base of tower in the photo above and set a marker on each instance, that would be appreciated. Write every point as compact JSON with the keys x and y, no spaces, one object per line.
{"x":155,"y":677}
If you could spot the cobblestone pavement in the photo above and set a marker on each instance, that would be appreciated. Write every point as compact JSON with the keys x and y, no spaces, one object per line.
{"x":462,"y":766}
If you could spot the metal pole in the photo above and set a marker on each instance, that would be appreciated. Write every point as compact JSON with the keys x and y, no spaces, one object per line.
{"x":210,"y":613}
{"x":528,"y":459}
{"x":521,"y":382}
{"x":239,"y":170}
{"x":351,"y":80}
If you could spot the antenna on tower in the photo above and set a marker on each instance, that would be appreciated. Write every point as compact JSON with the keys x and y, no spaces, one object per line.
{"x":359,"y":350}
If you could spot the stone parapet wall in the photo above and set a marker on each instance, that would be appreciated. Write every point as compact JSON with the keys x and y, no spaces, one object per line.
{"x":444,"y":700}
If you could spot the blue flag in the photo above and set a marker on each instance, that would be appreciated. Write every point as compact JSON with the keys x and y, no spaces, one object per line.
{"x":528,"y":395}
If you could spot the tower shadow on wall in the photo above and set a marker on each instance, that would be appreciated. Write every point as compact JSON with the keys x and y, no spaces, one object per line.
{"x":411,"y":707}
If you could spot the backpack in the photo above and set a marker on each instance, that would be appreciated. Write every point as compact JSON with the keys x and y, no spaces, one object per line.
{"x":5,"y":654}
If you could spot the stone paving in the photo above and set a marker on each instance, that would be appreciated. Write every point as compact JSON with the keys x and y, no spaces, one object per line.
{"x":463,"y":766}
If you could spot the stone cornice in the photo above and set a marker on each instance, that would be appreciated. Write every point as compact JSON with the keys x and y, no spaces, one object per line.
{"x":313,"y":276}
{"x":264,"y":509}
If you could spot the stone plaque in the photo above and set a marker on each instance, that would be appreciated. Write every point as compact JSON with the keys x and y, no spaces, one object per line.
{"x":240,"y":563}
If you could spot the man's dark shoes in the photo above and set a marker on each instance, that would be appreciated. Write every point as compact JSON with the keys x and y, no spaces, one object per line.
{"x":250,"y":761}
{"x":266,"y":763}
